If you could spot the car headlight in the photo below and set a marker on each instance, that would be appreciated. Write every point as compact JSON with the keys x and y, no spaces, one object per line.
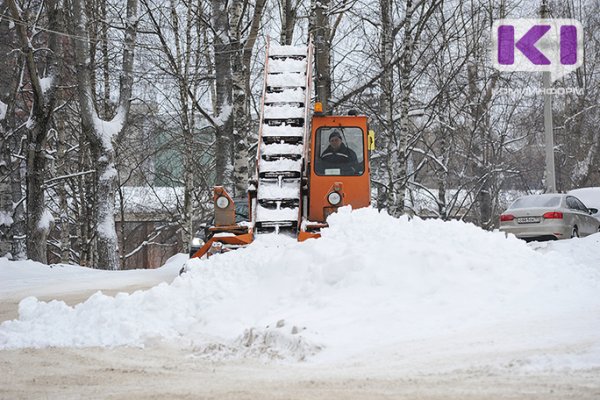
{"x":197,"y":242}
{"x":222,"y":202}
{"x":334,"y":198}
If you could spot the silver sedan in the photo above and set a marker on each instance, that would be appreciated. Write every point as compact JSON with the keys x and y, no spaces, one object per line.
{"x":590,"y":196}
{"x":549,"y":216}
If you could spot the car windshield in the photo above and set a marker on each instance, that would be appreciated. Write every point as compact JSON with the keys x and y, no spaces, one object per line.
{"x":536,"y":201}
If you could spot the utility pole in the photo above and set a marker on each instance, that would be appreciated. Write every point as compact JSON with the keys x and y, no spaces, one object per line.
{"x":550,"y":172}
{"x":321,"y":31}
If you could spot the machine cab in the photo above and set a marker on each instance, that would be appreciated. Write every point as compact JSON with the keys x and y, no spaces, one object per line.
{"x":339,"y":168}
{"x":339,"y":151}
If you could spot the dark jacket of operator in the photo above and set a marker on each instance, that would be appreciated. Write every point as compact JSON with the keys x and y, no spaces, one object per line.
{"x":341,"y":155}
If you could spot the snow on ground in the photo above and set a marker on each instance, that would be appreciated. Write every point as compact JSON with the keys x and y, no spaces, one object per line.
{"x":26,"y":277}
{"x":372,"y":288}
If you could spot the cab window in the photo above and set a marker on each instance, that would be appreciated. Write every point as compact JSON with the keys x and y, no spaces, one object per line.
{"x":241,"y":211}
{"x":339,"y":151}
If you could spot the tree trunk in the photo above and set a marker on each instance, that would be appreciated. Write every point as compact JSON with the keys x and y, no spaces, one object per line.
{"x":441,"y":171}
{"x":6,"y":204}
{"x":240,"y":102}
{"x":7,"y":167}
{"x":184,"y":60}
{"x":399,"y":184}
{"x":44,"y":98}
{"x":84,"y":204}
{"x":61,"y":191}
{"x":320,"y":30}
{"x":386,"y":100}
{"x":103,"y":134}
{"x":288,"y":21}
{"x":223,"y":89}
{"x":18,"y":231}
{"x":37,"y":220}
{"x":106,"y":234}
{"x":241,"y":58}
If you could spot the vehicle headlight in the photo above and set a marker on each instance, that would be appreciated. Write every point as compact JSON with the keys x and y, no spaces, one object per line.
{"x":197,"y":242}
{"x":334,"y":198}
{"x":222,"y":202}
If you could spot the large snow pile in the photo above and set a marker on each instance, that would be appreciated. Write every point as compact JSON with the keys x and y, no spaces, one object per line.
{"x":371,"y":284}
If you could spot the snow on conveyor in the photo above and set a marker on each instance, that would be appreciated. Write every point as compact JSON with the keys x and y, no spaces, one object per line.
{"x":371,"y":285}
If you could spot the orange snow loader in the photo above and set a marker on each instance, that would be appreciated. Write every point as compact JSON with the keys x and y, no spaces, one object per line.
{"x":308,"y":164}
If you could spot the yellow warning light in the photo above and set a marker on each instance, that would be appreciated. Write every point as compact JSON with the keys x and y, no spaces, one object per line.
{"x":371,"y":140}
{"x":318,"y":107}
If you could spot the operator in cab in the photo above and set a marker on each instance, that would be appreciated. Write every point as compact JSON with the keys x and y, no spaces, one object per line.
{"x":337,"y":152}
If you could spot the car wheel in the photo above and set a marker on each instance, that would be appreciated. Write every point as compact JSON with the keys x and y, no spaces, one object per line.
{"x":575,"y":233}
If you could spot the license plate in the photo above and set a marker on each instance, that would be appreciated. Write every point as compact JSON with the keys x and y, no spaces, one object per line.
{"x":528,"y":220}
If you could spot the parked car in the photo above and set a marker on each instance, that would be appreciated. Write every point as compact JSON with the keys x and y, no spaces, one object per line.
{"x":203,"y":233}
{"x":590,"y":196}
{"x":549,"y":217}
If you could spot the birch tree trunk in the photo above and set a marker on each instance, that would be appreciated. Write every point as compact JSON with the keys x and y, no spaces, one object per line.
{"x":61,"y":190}
{"x":441,"y":175}
{"x":242,"y":49}
{"x":40,"y":121}
{"x":386,"y":100}
{"x":240,"y":101}
{"x":399,"y":183}
{"x":102,"y":134}
{"x":188,"y":122}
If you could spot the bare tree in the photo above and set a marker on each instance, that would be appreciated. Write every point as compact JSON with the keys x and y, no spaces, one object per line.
{"x":395,"y":100}
{"x":11,"y":65}
{"x":44,"y":87}
{"x":243,"y":38}
{"x":101,"y":133}
{"x":180,"y":34}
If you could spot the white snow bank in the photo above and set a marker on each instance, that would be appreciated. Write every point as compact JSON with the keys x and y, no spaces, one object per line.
{"x":371,"y":285}
{"x":23,"y":278}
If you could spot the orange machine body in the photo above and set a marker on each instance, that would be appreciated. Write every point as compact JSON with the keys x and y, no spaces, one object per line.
{"x":349,"y":180}
{"x":352,"y":184}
